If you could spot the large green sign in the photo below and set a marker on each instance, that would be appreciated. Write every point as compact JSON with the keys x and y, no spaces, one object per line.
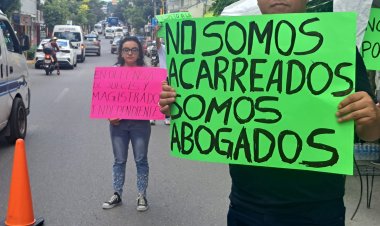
{"x":371,"y":43}
{"x":263,"y":90}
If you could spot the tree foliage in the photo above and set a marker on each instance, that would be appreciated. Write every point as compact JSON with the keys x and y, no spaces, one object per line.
{"x":55,"y":12}
{"x":218,"y":6}
{"x":135,"y":14}
{"x":8,"y":6}
{"x":82,"y":12}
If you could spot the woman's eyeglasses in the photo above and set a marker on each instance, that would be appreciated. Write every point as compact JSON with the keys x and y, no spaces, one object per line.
{"x":130,"y":51}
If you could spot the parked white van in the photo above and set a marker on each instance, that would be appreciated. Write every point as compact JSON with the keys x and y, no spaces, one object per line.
{"x":74,"y":34}
{"x":118,"y":31}
{"x":14,"y":84}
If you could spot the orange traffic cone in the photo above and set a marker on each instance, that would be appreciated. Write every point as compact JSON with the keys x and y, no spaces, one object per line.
{"x":20,"y":207}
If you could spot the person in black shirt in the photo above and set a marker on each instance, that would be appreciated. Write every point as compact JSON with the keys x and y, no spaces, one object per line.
{"x":263,"y":196}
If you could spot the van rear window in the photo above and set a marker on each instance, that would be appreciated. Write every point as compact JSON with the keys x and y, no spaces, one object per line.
{"x":71,"y":36}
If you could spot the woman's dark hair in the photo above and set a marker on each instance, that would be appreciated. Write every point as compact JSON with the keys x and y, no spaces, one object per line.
{"x":140,"y":59}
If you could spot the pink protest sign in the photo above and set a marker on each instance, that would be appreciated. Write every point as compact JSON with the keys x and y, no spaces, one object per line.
{"x":127,"y":93}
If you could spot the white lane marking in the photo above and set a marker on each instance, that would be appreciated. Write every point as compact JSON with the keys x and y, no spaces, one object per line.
{"x":61,"y":95}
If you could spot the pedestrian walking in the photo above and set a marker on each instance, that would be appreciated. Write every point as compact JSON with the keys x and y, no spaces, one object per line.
{"x":162,"y":57}
{"x":124,"y":131}
{"x":263,"y":196}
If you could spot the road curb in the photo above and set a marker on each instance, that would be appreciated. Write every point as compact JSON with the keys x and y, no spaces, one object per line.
{"x":30,"y":63}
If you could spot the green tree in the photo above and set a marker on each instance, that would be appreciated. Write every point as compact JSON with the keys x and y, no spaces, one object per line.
{"x":137,"y":14}
{"x":218,"y":6}
{"x":122,"y":5}
{"x":95,"y":13}
{"x":9,"y":6}
{"x":80,"y":17}
{"x":55,"y":12}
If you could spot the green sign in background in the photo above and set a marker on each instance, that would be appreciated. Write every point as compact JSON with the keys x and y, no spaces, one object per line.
{"x":162,"y":19}
{"x":302,"y":112}
{"x":371,"y":43}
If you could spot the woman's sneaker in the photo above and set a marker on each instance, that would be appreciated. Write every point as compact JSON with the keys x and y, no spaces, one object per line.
{"x":142,"y":203}
{"x":112,"y":202}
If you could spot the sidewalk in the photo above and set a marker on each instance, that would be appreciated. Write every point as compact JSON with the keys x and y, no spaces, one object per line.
{"x":30,"y":63}
{"x":364,"y":216}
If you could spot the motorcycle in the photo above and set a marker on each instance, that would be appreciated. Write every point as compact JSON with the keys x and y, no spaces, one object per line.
{"x":49,"y":65}
{"x":154,"y":57}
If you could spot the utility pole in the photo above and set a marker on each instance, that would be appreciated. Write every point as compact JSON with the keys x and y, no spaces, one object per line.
{"x":154,"y":8}
{"x":163,"y":6}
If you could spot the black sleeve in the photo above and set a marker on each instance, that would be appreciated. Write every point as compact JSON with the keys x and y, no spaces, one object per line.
{"x":362,"y":81}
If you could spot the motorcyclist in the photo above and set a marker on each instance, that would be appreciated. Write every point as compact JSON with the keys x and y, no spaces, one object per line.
{"x":154,"y":56}
{"x":52,"y":48}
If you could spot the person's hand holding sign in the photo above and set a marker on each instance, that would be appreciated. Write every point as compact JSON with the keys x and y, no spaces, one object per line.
{"x":360,"y":107}
{"x":167,"y":97}
{"x":114,"y":121}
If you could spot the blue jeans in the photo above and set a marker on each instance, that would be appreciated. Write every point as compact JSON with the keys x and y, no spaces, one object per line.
{"x":138,"y":132}
{"x":241,"y":218}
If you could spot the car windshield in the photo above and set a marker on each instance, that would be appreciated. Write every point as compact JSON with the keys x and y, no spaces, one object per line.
{"x":72,"y":36}
{"x":62,"y":43}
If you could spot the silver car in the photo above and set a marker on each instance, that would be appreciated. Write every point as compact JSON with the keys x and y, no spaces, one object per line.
{"x":92,"y":44}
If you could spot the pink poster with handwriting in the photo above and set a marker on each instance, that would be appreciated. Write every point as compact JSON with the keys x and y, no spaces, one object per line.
{"x":127,"y":93}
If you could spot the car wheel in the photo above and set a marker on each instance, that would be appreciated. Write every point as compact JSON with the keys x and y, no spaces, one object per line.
{"x":17,"y":121}
{"x":98,"y":53}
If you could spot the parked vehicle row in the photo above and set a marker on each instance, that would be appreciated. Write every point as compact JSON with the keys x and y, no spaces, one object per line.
{"x":73,"y":47}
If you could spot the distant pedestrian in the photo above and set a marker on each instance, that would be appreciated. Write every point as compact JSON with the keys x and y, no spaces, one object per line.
{"x":162,"y":58}
{"x":124,"y":131}
{"x":24,"y":40}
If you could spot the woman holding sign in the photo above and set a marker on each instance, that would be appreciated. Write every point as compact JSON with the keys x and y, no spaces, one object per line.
{"x":125,"y":131}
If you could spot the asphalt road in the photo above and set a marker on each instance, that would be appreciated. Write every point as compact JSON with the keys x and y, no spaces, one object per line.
{"x":70,"y":165}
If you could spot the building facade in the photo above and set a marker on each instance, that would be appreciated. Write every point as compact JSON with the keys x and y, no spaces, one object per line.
{"x":198,"y":8}
{"x":28,"y":21}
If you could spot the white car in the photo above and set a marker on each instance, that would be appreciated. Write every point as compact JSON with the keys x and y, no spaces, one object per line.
{"x":118,"y":31}
{"x":109,"y":32}
{"x":67,"y":55}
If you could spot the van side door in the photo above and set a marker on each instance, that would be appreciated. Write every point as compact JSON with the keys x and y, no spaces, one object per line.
{"x":5,"y":99}
{"x":14,"y":70}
